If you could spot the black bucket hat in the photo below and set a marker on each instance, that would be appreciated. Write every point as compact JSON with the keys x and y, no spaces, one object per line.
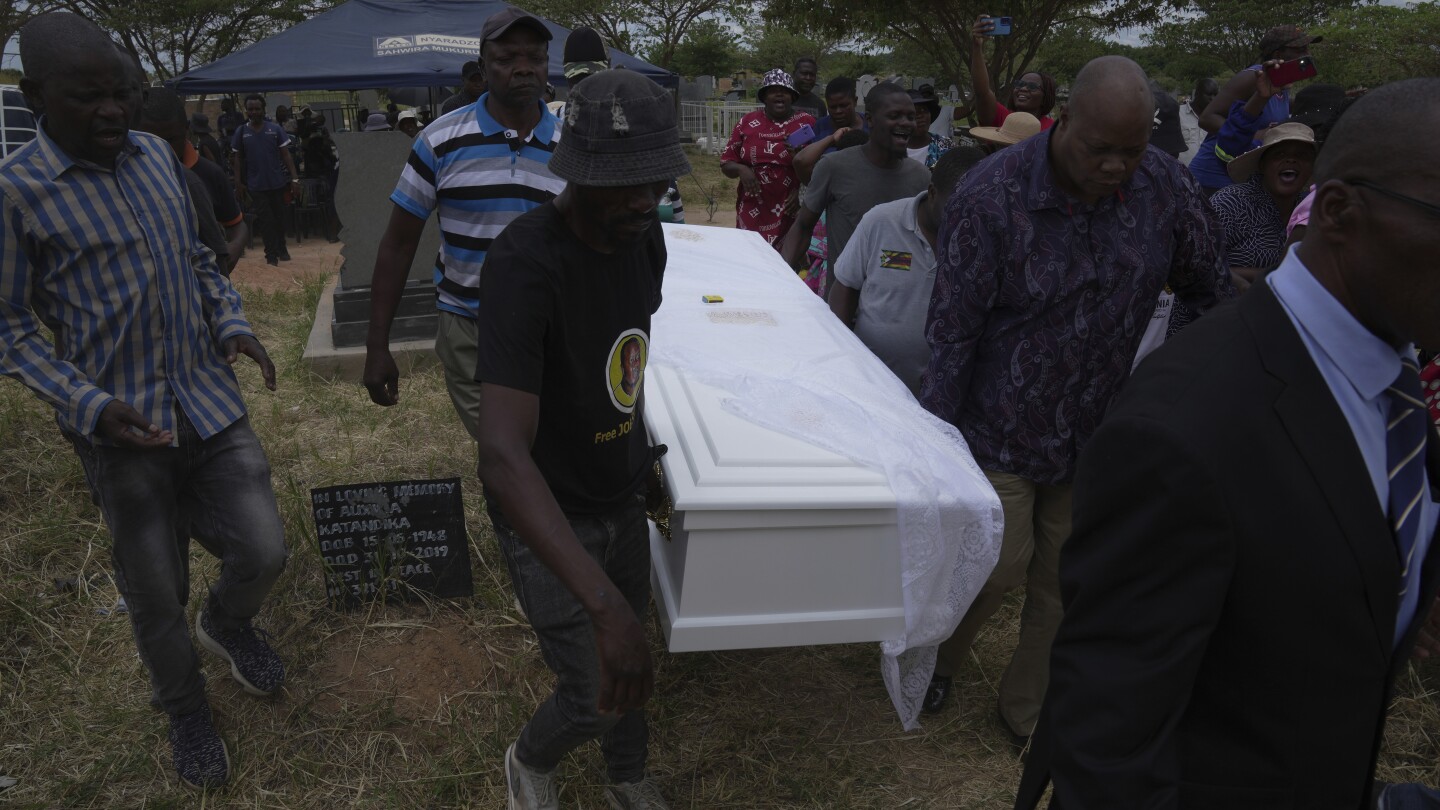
{"x":929,"y":102}
{"x":619,"y":130}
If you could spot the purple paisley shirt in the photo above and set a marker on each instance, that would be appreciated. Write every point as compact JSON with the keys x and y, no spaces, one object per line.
{"x":1040,"y":301}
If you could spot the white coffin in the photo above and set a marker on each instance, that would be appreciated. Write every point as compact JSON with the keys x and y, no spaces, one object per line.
{"x":774,"y":541}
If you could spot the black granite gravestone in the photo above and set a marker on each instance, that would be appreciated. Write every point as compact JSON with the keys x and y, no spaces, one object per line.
{"x":392,"y":540}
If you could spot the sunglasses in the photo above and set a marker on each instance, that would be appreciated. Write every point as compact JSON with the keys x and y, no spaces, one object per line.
{"x":1024,"y":85}
{"x":1428,"y":207}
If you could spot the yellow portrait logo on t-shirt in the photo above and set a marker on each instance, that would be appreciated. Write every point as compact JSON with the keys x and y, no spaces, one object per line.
{"x":625,"y":372}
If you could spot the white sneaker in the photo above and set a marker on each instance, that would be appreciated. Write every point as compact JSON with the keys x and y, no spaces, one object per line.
{"x":642,"y":795}
{"x":527,"y":788}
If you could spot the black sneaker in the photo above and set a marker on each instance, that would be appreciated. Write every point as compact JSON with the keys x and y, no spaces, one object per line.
{"x":252,"y":661}
{"x":272,"y":261}
{"x":939,"y":692}
{"x":199,"y":753}
{"x":285,"y":257}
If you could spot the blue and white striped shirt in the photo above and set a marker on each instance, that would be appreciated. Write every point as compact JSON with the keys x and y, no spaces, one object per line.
{"x":480,"y":180}
{"x":111,"y":262}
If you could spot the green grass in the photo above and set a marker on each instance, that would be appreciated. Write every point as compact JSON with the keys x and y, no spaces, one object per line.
{"x":705,"y":189}
{"x":412,"y":706}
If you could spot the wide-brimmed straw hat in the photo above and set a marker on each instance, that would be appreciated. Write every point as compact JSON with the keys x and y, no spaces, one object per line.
{"x":1017,"y":127}
{"x":1242,"y":168}
{"x":619,"y":130}
{"x":376,"y":123}
{"x":777,"y":78}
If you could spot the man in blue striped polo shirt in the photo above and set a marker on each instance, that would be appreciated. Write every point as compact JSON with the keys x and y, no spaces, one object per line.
{"x":99,"y":243}
{"x":480,"y":166}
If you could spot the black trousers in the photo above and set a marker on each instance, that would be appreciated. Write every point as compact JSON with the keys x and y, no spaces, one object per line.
{"x":270,"y":218}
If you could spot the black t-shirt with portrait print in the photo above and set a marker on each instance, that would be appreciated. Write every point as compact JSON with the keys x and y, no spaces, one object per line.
{"x":572,"y":325}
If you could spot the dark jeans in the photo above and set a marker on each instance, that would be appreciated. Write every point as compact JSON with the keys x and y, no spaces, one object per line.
{"x":217,"y":491}
{"x":270,"y":219}
{"x":619,"y":542}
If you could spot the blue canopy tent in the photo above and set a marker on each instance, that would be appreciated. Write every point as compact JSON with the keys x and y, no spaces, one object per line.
{"x":366,"y":44}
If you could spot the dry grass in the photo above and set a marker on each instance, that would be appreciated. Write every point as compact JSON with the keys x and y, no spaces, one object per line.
{"x":412,"y":706}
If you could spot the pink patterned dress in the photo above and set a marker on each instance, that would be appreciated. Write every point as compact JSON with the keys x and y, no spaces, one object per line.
{"x":759,"y":142}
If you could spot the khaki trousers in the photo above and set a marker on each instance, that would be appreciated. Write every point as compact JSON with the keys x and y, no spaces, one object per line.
{"x":1037,"y":521}
{"x":456,"y":341}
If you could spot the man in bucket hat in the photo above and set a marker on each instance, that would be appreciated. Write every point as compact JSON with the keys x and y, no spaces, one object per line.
{"x":566,"y":297}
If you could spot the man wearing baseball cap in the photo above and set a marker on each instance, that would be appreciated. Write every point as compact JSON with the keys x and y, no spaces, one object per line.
{"x":479,"y":168}
{"x":471,"y":89}
{"x":564,"y":335}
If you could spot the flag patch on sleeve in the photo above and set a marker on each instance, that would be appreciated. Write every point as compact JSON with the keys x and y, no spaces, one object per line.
{"x":895,"y":259}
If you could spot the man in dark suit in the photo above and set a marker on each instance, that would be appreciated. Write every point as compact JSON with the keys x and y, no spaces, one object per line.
{"x":1252,"y":555}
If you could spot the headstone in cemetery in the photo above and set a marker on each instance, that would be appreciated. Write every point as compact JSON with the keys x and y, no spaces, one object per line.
{"x":363,"y":203}
{"x":707,"y":87}
{"x":392,"y":540}
{"x":863,"y":86}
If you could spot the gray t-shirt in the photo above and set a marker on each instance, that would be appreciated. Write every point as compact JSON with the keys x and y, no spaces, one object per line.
{"x":846,"y":184}
{"x":889,"y":261}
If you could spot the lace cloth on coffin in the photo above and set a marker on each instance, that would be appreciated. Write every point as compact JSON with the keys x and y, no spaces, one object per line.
{"x":792,"y":367}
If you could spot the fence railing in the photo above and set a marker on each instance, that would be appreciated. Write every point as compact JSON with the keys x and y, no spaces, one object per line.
{"x":711,"y":122}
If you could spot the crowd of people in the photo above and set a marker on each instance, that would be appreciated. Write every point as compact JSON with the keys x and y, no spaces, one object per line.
{"x":1196,"y":390}
{"x":1018,"y":305}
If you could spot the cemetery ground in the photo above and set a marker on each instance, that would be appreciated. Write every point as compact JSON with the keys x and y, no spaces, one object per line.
{"x":413,"y":705}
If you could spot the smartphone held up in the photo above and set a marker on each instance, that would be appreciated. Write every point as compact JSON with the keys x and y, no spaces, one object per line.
{"x":999,"y":27}
{"x":1287,"y":73}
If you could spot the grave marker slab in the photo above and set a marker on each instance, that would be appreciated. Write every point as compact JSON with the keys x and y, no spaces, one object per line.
{"x":392,"y":540}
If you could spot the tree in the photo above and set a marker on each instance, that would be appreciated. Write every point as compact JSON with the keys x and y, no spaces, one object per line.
{"x":1070,"y":47}
{"x":173,"y":36}
{"x":14,"y":14}
{"x":774,"y":46}
{"x":941,"y":28}
{"x":660,"y":25}
{"x":615,"y":20}
{"x":1373,"y":45}
{"x":1230,"y":30}
{"x":709,"y":49}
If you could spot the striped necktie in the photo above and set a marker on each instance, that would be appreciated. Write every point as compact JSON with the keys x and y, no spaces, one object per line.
{"x":1407,"y":429}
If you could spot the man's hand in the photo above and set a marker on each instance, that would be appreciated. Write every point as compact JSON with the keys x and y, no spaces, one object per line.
{"x":382,"y":377}
{"x":627,"y":676}
{"x":248,"y":345}
{"x":122,"y":424}
{"x":749,"y":181}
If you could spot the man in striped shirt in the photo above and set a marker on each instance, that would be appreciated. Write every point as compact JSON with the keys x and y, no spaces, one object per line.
{"x":480,"y":166}
{"x":99,"y":243}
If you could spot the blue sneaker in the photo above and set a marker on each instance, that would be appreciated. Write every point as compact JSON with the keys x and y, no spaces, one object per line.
{"x":252,"y":661}
{"x":199,"y":754}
